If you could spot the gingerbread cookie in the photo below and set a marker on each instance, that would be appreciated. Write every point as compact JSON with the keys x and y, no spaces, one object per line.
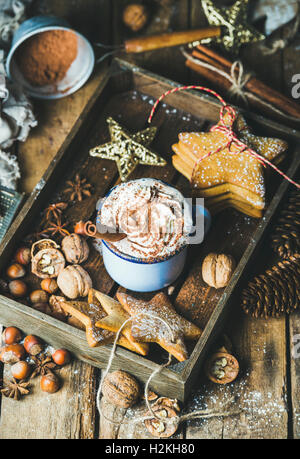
{"x":157,"y":321}
{"x":87,"y":314}
{"x":230,"y":170}
{"x":115,"y":318}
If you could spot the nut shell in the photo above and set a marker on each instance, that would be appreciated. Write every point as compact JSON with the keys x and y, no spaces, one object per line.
{"x":61,"y":357}
{"x":219,"y":372}
{"x":23,"y":255}
{"x":50,"y":383}
{"x":135,"y":16}
{"x":17,"y":288}
{"x":217,"y":269}
{"x":159,"y":428}
{"x":15,"y":271}
{"x":38,"y":296}
{"x":11,"y":335}
{"x":49,"y":285}
{"x":57,"y":261}
{"x":33,"y":344}
{"x":121,"y":389}
{"x":75,"y":248}
{"x":12,"y":353}
{"x":21,"y":370}
{"x":74,"y":282}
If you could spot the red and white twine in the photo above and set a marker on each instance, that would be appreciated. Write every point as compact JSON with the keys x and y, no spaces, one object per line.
{"x":226,"y":129}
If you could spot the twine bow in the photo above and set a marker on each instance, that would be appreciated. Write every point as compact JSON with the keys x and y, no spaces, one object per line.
{"x":226,"y":129}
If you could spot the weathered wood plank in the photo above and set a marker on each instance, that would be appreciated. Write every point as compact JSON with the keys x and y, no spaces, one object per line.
{"x":67,"y":414}
{"x":259,"y":392}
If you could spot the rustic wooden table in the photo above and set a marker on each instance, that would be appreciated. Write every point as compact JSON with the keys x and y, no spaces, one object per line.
{"x":267,"y":390}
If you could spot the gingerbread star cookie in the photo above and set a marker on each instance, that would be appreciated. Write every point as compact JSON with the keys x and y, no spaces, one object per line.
{"x":115,"y":318}
{"x":87,"y":314}
{"x":157,"y":321}
{"x":231,"y":170}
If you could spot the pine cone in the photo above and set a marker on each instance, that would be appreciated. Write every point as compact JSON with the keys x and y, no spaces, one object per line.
{"x":286,"y":235}
{"x":276,"y":292}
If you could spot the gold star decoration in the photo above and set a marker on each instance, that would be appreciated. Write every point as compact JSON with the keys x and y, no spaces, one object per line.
{"x":234,"y":21}
{"x":128,"y":150}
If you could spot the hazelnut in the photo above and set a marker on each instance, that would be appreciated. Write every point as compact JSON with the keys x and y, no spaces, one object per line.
{"x":61,"y":357}
{"x":15,"y":271}
{"x":121,"y":389}
{"x":217,"y":269}
{"x":50,"y":383}
{"x":11,"y":335}
{"x":33,"y":345}
{"x":21,"y":370}
{"x":17,"y":288}
{"x":222,"y":368}
{"x":12,"y":353}
{"x":75,"y":248}
{"x":79,"y":228}
{"x":23,"y":256}
{"x":49,"y":285}
{"x":38,"y":296}
{"x":55,"y":307}
{"x":135,"y":16}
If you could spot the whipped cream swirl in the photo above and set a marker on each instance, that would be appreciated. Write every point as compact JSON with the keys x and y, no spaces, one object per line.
{"x":152,"y":215}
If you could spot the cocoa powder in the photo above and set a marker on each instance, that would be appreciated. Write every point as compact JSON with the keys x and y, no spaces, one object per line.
{"x":46,"y":57}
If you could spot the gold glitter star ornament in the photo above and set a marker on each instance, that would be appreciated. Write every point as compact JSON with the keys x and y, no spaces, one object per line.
{"x":233,"y":19}
{"x":128,"y":150}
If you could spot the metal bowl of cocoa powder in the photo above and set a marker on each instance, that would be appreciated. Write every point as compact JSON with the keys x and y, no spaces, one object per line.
{"x":49,"y":58}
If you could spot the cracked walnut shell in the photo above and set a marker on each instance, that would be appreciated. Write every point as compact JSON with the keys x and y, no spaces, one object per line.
{"x":48,"y":261}
{"x":121,"y":389}
{"x":217,"y":269}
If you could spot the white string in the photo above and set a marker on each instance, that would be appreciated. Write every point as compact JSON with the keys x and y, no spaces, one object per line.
{"x":175,"y":420}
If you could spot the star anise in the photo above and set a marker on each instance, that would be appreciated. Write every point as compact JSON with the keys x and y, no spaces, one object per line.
{"x":78,"y":188}
{"x":56,"y":228}
{"x":15,"y":389}
{"x":55,"y":210}
{"x":43,"y":365}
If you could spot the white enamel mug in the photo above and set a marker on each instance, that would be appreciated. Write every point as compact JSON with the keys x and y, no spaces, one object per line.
{"x":142,"y":276}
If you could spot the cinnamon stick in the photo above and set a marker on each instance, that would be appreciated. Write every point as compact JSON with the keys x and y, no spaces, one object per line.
{"x":138,"y":45}
{"x":255,"y":86}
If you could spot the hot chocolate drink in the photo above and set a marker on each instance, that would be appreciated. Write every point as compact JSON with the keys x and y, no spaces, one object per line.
{"x":152,"y":215}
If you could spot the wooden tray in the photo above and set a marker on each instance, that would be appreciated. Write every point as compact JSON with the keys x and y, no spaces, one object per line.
{"x":127,"y":94}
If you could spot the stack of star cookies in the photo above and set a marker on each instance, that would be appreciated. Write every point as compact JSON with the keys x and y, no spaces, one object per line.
{"x":154,"y":321}
{"x":229,"y":176}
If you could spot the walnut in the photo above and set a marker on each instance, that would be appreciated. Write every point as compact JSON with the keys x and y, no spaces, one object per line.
{"x":217,"y":269}
{"x":75,"y":248}
{"x":159,"y":428}
{"x":222,"y":368}
{"x":135,"y":16}
{"x":120,"y":389}
{"x":48,"y":261}
{"x":74,"y":281}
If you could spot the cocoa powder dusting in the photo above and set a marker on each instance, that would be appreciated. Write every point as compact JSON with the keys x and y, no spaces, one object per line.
{"x":46,"y":57}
